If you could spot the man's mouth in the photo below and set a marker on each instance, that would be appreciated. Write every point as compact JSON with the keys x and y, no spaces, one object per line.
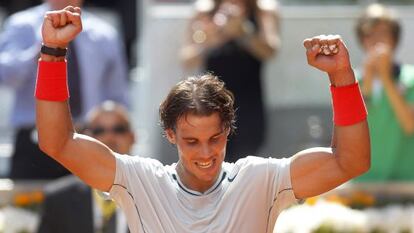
{"x":205,"y":165}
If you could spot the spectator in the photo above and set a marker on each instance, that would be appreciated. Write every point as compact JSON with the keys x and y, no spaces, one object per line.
{"x":70,"y":205}
{"x":98,"y":72}
{"x":232,"y":39}
{"x":388,"y":88}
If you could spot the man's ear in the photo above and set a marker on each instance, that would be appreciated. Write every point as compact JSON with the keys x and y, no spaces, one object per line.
{"x":227,"y":131}
{"x":170,"y":136}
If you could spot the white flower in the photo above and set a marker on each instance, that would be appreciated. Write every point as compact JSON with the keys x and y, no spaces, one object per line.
{"x":393,"y":218}
{"x":16,"y":220}
{"x":1,"y":221}
{"x":307,"y":218}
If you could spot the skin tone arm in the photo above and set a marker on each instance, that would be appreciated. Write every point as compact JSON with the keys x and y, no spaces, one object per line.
{"x":317,"y":170}
{"x":84,"y":156}
{"x":403,"y":110}
{"x":368,"y":73}
{"x":264,"y":45}
{"x":193,"y":52}
{"x":379,"y":61}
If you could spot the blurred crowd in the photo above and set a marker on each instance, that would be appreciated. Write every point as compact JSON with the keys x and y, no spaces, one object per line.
{"x":126,"y":12}
{"x":232,"y":39}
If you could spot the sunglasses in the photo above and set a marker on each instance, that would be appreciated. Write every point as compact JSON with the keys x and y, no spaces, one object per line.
{"x":116,"y":129}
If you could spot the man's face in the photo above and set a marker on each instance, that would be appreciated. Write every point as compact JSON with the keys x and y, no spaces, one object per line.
{"x":201,"y":144}
{"x":112,"y":129}
{"x":380,"y":33}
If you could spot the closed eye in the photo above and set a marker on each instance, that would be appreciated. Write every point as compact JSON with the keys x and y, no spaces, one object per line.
{"x":191,"y":141}
{"x":216,"y":138}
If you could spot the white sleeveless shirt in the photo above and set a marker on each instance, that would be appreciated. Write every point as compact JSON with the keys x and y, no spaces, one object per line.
{"x":247,"y":197}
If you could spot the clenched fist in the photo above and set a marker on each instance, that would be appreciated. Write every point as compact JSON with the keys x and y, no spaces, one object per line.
{"x":60,"y":27}
{"x":328,"y":53}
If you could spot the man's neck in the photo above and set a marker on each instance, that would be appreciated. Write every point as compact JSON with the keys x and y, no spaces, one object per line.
{"x":191,"y":182}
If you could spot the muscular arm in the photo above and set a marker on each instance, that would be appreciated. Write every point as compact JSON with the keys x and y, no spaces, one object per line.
{"x":85,"y":157}
{"x":317,"y":170}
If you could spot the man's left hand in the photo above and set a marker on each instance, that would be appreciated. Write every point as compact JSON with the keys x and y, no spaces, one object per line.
{"x":328,"y":53}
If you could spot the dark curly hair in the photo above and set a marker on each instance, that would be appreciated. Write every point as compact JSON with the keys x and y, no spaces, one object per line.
{"x":201,"y":95}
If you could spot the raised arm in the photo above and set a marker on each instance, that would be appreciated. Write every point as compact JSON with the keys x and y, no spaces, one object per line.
{"x":317,"y":170}
{"x":85,"y":157}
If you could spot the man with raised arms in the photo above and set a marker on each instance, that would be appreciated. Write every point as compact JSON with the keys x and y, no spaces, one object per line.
{"x":201,"y":193}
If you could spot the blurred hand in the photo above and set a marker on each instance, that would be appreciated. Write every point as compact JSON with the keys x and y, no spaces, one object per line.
{"x":60,"y":27}
{"x":383,"y":60}
{"x":230,"y":18}
{"x":214,"y":37}
{"x":329,"y":54}
{"x":379,"y":60}
{"x":206,"y":33}
{"x":369,"y":63}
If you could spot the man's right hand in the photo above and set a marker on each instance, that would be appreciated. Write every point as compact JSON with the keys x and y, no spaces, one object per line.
{"x":60,"y":27}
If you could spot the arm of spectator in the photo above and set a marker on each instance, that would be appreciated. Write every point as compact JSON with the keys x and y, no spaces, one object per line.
{"x":191,"y":53}
{"x":201,"y":36}
{"x":266,"y":42}
{"x":402,"y":109}
{"x":368,"y":73}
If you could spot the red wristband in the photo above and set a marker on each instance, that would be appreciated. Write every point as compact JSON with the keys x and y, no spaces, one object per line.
{"x":51,"y":83}
{"x":348,"y":105}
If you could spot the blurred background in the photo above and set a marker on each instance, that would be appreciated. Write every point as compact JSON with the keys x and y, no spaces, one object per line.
{"x":296,"y":96}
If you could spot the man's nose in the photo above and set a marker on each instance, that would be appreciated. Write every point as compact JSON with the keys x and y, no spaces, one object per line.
{"x":205,"y":150}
